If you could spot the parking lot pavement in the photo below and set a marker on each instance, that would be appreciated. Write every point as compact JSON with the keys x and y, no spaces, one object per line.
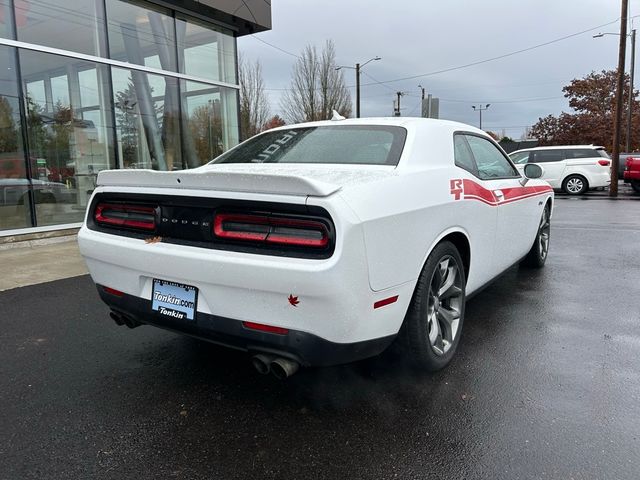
{"x":546,"y":384}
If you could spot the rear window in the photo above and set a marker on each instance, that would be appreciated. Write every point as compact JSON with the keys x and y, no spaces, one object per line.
{"x":585,"y":153}
{"x":347,"y":144}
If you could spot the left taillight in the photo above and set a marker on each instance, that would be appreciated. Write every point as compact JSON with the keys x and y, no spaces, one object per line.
{"x":125,"y":216}
{"x":604,"y":163}
{"x":275,"y":230}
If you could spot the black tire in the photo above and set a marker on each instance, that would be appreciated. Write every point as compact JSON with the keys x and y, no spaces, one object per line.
{"x":414,"y":342}
{"x":539,"y":252}
{"x":575,"y":185}
{"x":635,"y":184}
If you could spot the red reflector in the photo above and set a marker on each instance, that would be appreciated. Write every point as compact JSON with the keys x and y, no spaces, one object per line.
{"x":274,"y":230}
{"x":113,"y":291}
{"x":386,"y":301}
{"x":265,"y":328}
{"x":131,"y":216}
{"x":604,"y":163}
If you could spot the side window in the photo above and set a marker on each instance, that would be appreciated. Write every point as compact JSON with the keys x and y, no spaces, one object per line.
{"x":520,"y":157}
{"x":489,"y":159}
{"x":462,"y":154}
{"x":581,"y":153}
{"x":542,"y":156}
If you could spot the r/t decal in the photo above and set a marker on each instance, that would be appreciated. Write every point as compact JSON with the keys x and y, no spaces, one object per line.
{"x":456,"y":188}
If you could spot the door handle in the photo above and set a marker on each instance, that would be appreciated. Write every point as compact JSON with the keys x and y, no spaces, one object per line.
{"x":498,"y":194}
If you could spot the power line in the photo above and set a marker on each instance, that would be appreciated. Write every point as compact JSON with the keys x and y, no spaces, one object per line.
{"x":459,"y":67}
{"x":514,"y":100}
{"x":277,"y":48}
{"x":510,"y":54}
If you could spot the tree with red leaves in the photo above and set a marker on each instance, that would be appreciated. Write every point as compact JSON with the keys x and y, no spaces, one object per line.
{"x":274,"y":122}
{"x":592,"y":99}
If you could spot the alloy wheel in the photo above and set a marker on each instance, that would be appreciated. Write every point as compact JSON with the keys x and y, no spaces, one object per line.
{"x":444,"y":305}
{"x":575,"y":185}
{"x":544,"y":232}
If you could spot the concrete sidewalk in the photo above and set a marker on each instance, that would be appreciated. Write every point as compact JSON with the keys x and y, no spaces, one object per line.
{"x":39,"y":263}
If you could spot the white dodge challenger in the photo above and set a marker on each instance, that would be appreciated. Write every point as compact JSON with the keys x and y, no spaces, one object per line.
{"x":320,"y":243}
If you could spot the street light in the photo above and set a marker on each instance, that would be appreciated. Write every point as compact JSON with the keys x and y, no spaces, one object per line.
{"x":631,"y":72}
{"x":480,"y":108}
{"x":357,"y":69}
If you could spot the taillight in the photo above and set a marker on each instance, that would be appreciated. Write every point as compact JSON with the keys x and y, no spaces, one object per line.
{"x":113,"y":291}
{"x":604,"y":163}
{"x":629,"y":162}
{"x":265,"y":328}
{"x":272,"y":230}
{"x":128,"y":216}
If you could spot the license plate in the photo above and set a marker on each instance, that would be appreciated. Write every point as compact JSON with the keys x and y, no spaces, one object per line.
{"x":174,"y":300}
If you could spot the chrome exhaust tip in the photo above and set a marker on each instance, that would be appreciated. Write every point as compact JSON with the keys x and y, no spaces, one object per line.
{"x":262,"y":363}
{"x":283,"y":368}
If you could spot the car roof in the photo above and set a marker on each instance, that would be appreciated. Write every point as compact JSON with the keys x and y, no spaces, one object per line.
{"x":406,"y":122}
{"x":556,"y":147}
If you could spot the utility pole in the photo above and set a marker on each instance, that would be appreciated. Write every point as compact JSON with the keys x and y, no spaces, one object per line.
{"x":399,"y":94}
{"x":617,"y":118}
{"x":631,"y":76}
{"x":357,"y":90}
{"x":630,"y":106}
{"x":480,"y":108}
{"x":357,"y":68}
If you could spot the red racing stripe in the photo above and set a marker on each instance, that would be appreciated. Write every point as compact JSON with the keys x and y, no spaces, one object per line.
{"x":475,"y":191}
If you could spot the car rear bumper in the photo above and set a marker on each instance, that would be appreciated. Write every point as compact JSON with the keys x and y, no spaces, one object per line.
{"x":631,"y":175}
{"x":302,"y":347}
{"x":602,"y":179}
{"x":334,"y":299}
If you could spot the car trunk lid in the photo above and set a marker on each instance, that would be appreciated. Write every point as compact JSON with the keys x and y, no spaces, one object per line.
{"x":283,"y":179}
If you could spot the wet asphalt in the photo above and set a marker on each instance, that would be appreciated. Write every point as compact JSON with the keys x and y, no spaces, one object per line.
{"x":546,"y":384}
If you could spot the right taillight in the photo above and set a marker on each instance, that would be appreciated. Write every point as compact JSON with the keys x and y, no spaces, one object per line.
{"x":270,"y":229}
{"x":126,"y":216}
{"x":629,"y":162}
{"x":604,"y":163}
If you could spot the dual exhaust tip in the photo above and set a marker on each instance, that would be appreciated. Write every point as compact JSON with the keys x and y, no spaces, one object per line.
{"x":124,"y":320}
{"x":280,"y":367}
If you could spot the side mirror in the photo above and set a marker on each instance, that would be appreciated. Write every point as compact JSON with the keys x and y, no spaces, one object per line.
{"x":531,"y":170}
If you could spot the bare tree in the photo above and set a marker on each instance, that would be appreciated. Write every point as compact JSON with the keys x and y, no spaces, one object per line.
{"x":254,"y":104}
{"x":317,"y":87}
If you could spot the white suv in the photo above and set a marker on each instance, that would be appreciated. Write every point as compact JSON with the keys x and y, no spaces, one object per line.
{"x":574,"y":169}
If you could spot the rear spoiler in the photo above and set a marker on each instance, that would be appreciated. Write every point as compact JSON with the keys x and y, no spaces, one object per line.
{"x":270,"y":183}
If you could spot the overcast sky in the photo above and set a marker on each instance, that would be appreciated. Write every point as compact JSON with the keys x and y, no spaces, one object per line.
{"x":415,"y":37}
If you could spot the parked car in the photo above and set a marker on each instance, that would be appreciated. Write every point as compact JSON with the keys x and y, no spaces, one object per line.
{"x":319,"y":243}
{"x":14,"y":191}
{"x":622,"y":162}
{"x":632,"y":172}
{"x":573,"y":169}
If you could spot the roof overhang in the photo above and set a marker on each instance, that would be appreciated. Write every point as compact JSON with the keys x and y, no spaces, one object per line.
{"x":243,"y":16}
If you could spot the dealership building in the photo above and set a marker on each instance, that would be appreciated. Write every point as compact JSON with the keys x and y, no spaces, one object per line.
{"x":89,"y":85}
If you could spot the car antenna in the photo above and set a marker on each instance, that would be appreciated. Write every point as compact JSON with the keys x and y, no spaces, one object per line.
{"x":336,"y":116}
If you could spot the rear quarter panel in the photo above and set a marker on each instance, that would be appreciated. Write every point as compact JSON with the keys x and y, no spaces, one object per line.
{"x":404,"y":217}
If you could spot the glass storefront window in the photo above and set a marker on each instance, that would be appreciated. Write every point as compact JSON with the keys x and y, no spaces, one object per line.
{"x":70,"y":140}
{"x":206,"y":51}
{"x":211,"y":121}
{"x":142,"y":35}
{"x":6,"y":19}
{"x":147,"y":120}
{"x":79,"y":117}
{"x":77,"y":26}
{"x":14,"y":186}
